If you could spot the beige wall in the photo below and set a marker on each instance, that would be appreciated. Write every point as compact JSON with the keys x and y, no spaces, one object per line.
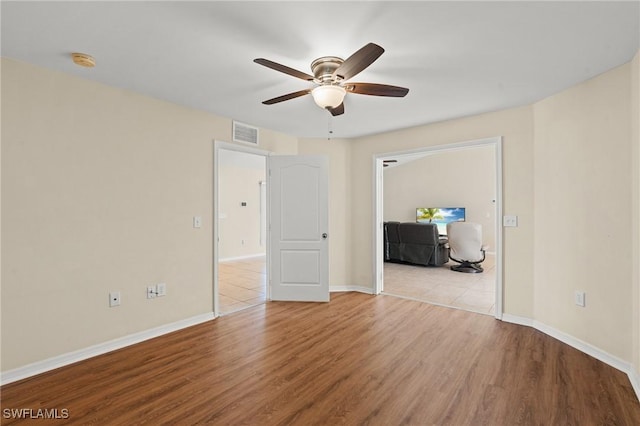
{"x":516,"y":128}
{"x":583,"y":211}
{"x":460,"y":178}
{"x":564,"y":158}
{"x":240,"y":226}
{"x":635,"y":219}
{"x":99,"y":187}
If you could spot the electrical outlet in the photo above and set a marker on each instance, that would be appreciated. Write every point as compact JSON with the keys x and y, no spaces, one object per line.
{"x":114,"y":299}
{"x":579,"y":297}
{"x":151,"y":292}
{"x":162,"y":289}
{"x":197,"y":221}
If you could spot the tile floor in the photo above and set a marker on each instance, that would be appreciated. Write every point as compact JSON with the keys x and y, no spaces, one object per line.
{"x":241,"y":283}
{"x":442,"y":286}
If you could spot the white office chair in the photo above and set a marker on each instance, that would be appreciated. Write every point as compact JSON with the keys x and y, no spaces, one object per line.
{"x":465,"y":246}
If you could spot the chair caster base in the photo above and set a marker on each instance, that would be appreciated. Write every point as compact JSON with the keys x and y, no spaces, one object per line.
{"x":469,"y":268}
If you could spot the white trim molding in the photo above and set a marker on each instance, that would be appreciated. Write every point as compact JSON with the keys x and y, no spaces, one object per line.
{"x":217,"y":146}
{"x":378,"y":197}
{"x":634,"y":377}
{"x":345,"y":288}
{"x":248,"y":256}
{"x":99,"y":349}
{"x":514,"y":319}
{"x":582,"y":346}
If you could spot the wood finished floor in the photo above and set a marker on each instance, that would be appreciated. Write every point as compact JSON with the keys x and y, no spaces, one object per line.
{"x":358,"y":360}
{"x":442,"y":286}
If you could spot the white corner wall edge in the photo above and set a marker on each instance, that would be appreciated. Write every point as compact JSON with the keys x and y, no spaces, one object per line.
{"x":99,"y":349}
{"x":582,"y":346}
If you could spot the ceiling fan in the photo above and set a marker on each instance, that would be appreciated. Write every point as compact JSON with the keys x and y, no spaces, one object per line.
{"x":330,"y":74}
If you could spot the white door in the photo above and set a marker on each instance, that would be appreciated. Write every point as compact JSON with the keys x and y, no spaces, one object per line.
{"x":299,"y":255}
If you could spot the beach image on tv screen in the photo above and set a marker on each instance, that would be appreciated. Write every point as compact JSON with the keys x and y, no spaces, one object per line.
{"x":440,"y":216}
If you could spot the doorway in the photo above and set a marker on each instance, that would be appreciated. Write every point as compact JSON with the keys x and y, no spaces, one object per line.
{"x":490,"y":213}
{"x":240,"y":271}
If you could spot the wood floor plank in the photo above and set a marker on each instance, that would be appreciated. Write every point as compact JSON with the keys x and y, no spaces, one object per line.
{"x":359,"y":359}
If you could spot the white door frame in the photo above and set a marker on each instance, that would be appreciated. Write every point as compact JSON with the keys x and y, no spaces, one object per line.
{"x":378,"y":250}
{"x":218,"y":145}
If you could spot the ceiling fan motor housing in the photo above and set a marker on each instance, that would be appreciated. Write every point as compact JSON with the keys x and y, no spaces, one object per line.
{"x":324,"y":67}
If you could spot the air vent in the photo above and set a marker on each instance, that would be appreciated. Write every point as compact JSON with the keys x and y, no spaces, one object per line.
{"x":245,"y":133}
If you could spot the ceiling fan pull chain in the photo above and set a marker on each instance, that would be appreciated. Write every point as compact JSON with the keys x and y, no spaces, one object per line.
{"x":329,"y":130}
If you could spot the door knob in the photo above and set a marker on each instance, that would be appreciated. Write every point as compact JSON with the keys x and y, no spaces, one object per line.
{"x":324,"y":236}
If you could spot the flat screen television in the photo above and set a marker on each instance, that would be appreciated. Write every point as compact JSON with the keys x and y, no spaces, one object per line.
{"x":440,"y":216}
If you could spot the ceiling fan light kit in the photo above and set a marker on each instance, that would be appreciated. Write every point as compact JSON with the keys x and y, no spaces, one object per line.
{"x":330,"y":73}
{"x":328,"y":96}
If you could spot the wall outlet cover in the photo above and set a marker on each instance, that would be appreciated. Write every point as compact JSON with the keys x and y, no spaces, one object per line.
{"x":161,"y":289}
{"x":114,"y":299}
{"x":151,"y":292}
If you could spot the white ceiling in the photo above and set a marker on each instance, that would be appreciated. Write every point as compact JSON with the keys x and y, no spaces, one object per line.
{"x":457,"y":58}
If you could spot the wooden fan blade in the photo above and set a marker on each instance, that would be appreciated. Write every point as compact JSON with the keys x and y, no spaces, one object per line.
{"x":287,"y":97}
{"x":283,"y":68}
{"x":376,"y":89}
{"x":339,"y":110}
{"x":358,"y":61}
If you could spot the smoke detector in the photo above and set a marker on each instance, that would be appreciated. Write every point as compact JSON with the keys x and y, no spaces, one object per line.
{"x":83,"y":60}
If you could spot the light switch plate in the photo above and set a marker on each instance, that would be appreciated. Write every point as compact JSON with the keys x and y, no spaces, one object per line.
{"x":510,"y":221}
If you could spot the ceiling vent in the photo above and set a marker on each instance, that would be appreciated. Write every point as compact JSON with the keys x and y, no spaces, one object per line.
{"x":245,"y":133}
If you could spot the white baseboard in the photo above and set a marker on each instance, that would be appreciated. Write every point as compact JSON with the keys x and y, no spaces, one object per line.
{"x":102,"y":348}
{"x":514,"y":319}
{"x":99,"y":349}
{"x":343,"y":288}
{"x":634,"y":377}
{"x":248,"y":256}
{"x":582,"y":346}
{"x":585,"y":347}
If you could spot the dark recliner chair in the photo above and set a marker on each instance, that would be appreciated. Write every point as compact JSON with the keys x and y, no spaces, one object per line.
{"x":416,"y":243}
{"x":420,"y":244}
{"x":391,"y":241}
